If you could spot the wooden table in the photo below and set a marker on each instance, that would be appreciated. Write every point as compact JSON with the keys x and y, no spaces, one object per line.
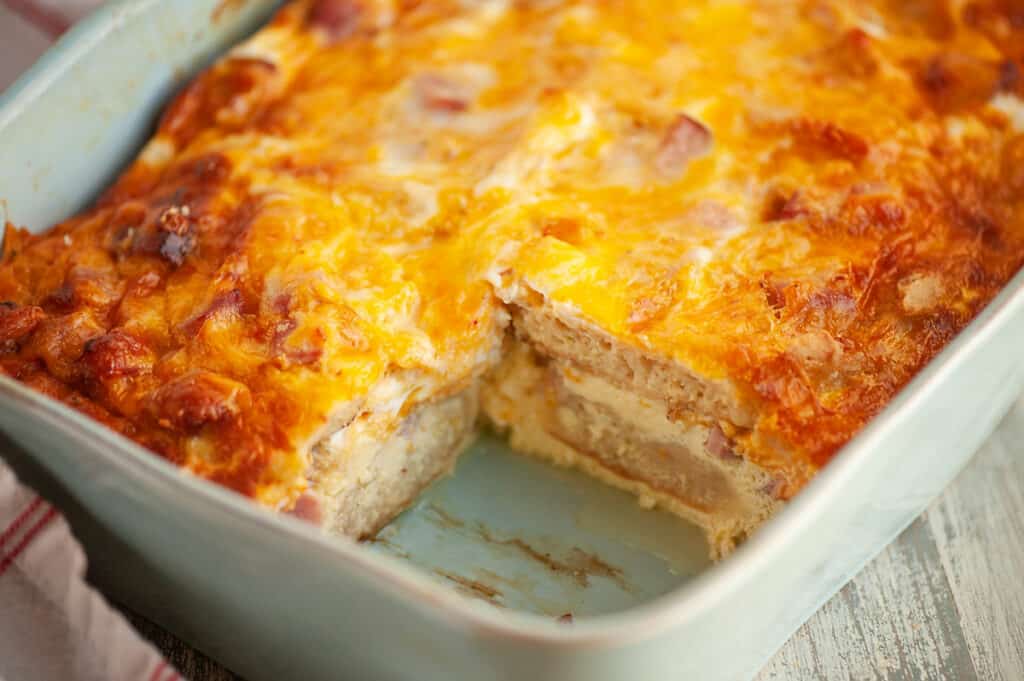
{"x":945,"y":601}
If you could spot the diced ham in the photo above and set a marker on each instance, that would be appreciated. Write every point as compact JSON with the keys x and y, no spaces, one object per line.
{"x":308,"y":507}
{"x":338,"y":19}
{"x":438,"y":93}
{"x":289,"y":344}
{"x":684,"y":140}
{"x":225,"y":303}
{"x":719,"y":445}
{"x":774,"y":488}
{"x":307,"y":352}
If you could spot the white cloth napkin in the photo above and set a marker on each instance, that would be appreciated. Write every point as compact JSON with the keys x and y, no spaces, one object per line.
{"x":53,"y":625}
{"x":52,"y":16}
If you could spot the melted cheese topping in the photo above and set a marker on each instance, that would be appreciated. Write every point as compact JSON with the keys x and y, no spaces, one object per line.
{"x":807,"y":199}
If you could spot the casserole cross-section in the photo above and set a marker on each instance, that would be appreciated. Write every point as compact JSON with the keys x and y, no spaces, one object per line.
{"x":688,"y":247}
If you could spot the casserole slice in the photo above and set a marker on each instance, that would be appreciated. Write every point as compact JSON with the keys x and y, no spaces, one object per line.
{"x":690,"y":248}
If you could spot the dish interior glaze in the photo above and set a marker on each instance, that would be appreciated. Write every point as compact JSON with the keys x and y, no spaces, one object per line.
{"x":516,"y":532}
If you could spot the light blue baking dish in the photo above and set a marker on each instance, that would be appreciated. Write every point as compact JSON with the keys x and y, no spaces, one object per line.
{"x":472,"y":583}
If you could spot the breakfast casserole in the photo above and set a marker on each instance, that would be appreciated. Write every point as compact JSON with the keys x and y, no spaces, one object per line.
{"x":688,"y":247}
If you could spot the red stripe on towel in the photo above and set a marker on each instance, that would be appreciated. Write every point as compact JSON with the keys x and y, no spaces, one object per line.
{"x":158,"y":671}
{"x":19,"y":521}
{"x":27,"y":539}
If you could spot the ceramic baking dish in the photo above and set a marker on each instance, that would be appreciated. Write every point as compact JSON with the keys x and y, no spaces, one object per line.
{"x":475,"y":581}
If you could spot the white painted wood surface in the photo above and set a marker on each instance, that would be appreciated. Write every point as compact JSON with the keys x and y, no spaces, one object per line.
{"x":945,"y":601}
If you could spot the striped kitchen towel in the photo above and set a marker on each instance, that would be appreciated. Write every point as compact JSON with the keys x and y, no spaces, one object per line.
{"x":53,"y":17}
{"x":53,"y":625}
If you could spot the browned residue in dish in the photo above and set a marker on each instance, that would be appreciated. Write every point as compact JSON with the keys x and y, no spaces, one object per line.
{"x":578,"y":565}
{"x":521,"y":584}
{"x":387,"y":544}
{"x":444,"y":518}
{"x":472,"y":587}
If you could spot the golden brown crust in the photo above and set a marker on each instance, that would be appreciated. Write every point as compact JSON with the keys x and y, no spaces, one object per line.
{"x":802,"y":200}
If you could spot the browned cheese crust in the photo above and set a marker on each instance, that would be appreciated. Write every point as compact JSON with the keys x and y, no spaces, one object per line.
{"x":762,"y":216}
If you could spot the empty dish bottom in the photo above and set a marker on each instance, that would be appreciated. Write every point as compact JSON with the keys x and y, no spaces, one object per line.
{"x":522,"y":534}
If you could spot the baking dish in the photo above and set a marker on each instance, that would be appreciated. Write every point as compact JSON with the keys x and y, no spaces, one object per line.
{"x":272,"y":599}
